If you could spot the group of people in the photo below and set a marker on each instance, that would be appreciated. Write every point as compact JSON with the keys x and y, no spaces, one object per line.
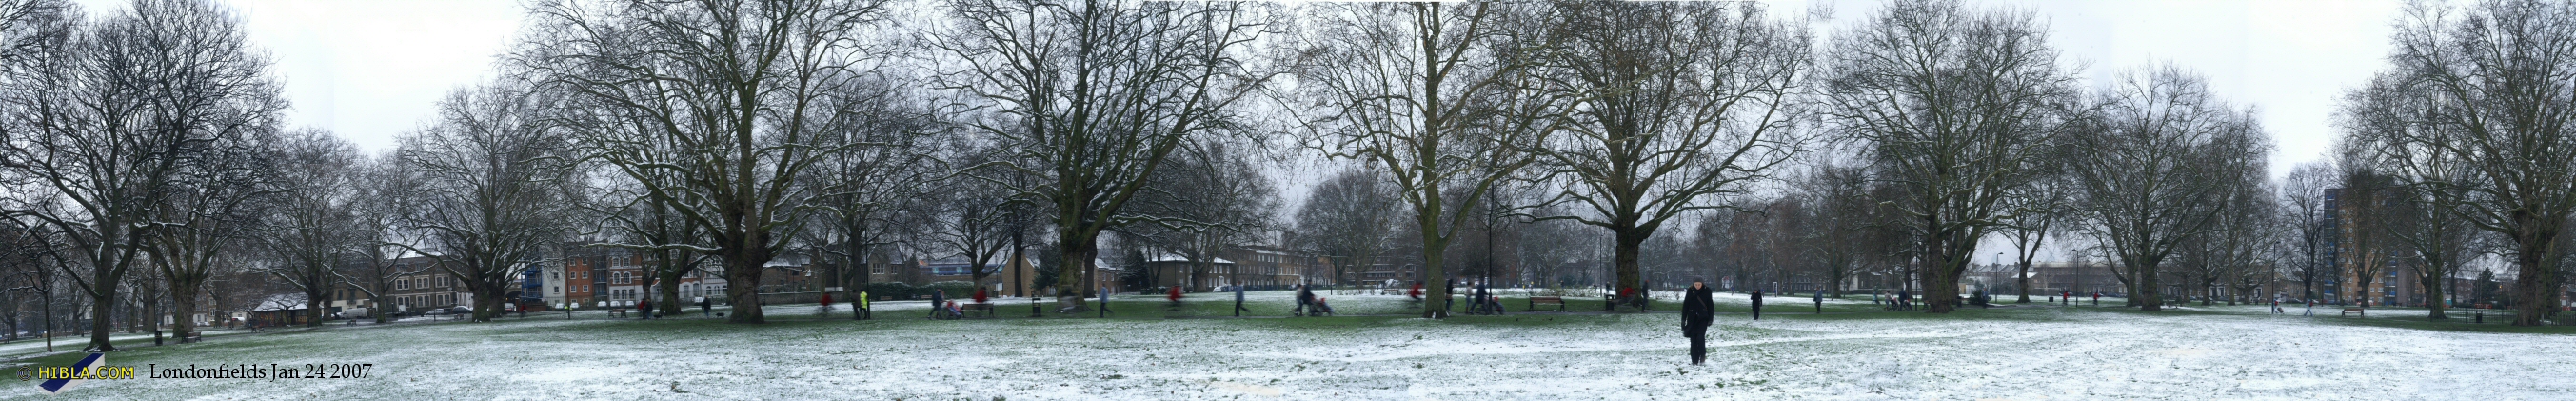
{"x":1904,"y":300}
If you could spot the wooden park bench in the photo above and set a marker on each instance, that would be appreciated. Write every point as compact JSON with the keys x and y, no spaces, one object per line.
{"x":1390,"y":291}
{"x":976,"y":307}
{"x":1558,"y":301}
{"x":193,"y":337}
{"x":2354,"y":310}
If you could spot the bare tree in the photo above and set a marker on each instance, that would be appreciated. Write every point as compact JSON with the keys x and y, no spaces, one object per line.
{"x":2156,"y":167}
{"x":739,"y":84}
{"x":495,"y":188}
{"x":109,"y":114}
{"x":2302,"y":196}
{"x":972,"y":218}
{"x":217,"y":207}
{"x":893,"y":168}
{"x":1349,"y":219}
{"x":1210,"y":199}
{"x":1092,"y":98}
{"x":1952,"y":104}
{"x":1845,"y":230}
{"x":2366,"y":243}
{"x":378,"y":193}
{"x":1437,"y":94}
{"x":1674,"y":108}
{"x":309,"y":227}
{"x":2491,"y":98}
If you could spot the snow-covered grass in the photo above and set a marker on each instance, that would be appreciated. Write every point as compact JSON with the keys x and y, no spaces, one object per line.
{"x":2024,"y":352}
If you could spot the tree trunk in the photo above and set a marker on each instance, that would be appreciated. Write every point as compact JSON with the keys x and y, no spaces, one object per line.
{"x":2146,"y":295}
{"x":383,"y":305}
{"x":1073,"y":277}
{"x":742,"y":287}
{"x":1624,"y":254}
{"x":667,"y":279}
{"x":1435,"y":301}
{"x":2534,"y":288}
{"x":99,"y":325}
{"x":1940,"y":273}
{"x":2433,"y":294}
{"x":185,"y":308}
{"x":313,"y":298}
{"x":2024,"y":277}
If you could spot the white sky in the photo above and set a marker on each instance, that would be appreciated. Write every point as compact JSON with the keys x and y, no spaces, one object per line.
{"x":371,"y":70}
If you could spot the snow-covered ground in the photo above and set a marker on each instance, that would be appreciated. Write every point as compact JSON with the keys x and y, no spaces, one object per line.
{"x":2028,"y":352}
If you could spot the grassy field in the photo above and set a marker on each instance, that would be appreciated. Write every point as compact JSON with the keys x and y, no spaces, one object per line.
{"x":1147,"y":350}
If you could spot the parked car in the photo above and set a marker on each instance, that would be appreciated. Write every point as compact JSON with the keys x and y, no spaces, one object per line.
{"x":451,"y":310}
{"x":351,"y":313}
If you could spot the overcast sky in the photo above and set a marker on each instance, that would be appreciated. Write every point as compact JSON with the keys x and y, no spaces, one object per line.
{"x":371,"y":70}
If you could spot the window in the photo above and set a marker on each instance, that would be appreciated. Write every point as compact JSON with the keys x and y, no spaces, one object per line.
{"x":402,"y":284}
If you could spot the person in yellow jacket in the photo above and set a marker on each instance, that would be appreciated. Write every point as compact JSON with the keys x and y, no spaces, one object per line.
{"x":862,"y":312}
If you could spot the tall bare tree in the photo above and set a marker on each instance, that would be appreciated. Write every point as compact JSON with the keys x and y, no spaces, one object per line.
{"x":1349,"y":219}
{"x":496,"y":189}
{"x":1674,"y":107}
{"x":737,"y":86}
{"x":1953,"y":105}
{"x":2366,"y":242}
{"x":2493,"y":89}
{"x":1437,"y":94}
{"x":2156,"y":167}
{"x":1212,"y":198}
{"x":378,"y":194}
{"x":307,"y":232}
{"x":1093,"y":97}
{"x":109,"y":114}
{"x":218,"y":208}
{"x":2302,"y":196}
{"x":893,"y":167}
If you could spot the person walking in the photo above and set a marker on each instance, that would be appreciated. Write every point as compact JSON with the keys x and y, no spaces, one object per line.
{"x":1477,"y":303}
{"x":1905,"y":300}
{"x":1238,"y":301}
{"x":862,"y":312}
{"x":937,"y":298}
{"x":1820,"y":302}
{"x":1757,"y":305}
{"x":704,"y":309}
{"x":1104,"y":302}
{"x":1645,"y":295}
{"x":2097,"y":298}
{"x":2276,"y":304}
{"x":1305,"y":300}
{"x":1698,"y":310}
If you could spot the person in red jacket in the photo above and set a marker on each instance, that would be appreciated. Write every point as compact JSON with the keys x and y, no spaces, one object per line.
{"x":1176,"y":295}
{"x":827,"y":300}
{"x":1417,"y":291}
{"x":981,"y":295}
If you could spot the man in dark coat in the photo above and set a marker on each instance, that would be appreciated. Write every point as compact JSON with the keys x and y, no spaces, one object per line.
{"x":1697,"y":312}
{"x":1757,"y":304}
{"x":1305,"y":300}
